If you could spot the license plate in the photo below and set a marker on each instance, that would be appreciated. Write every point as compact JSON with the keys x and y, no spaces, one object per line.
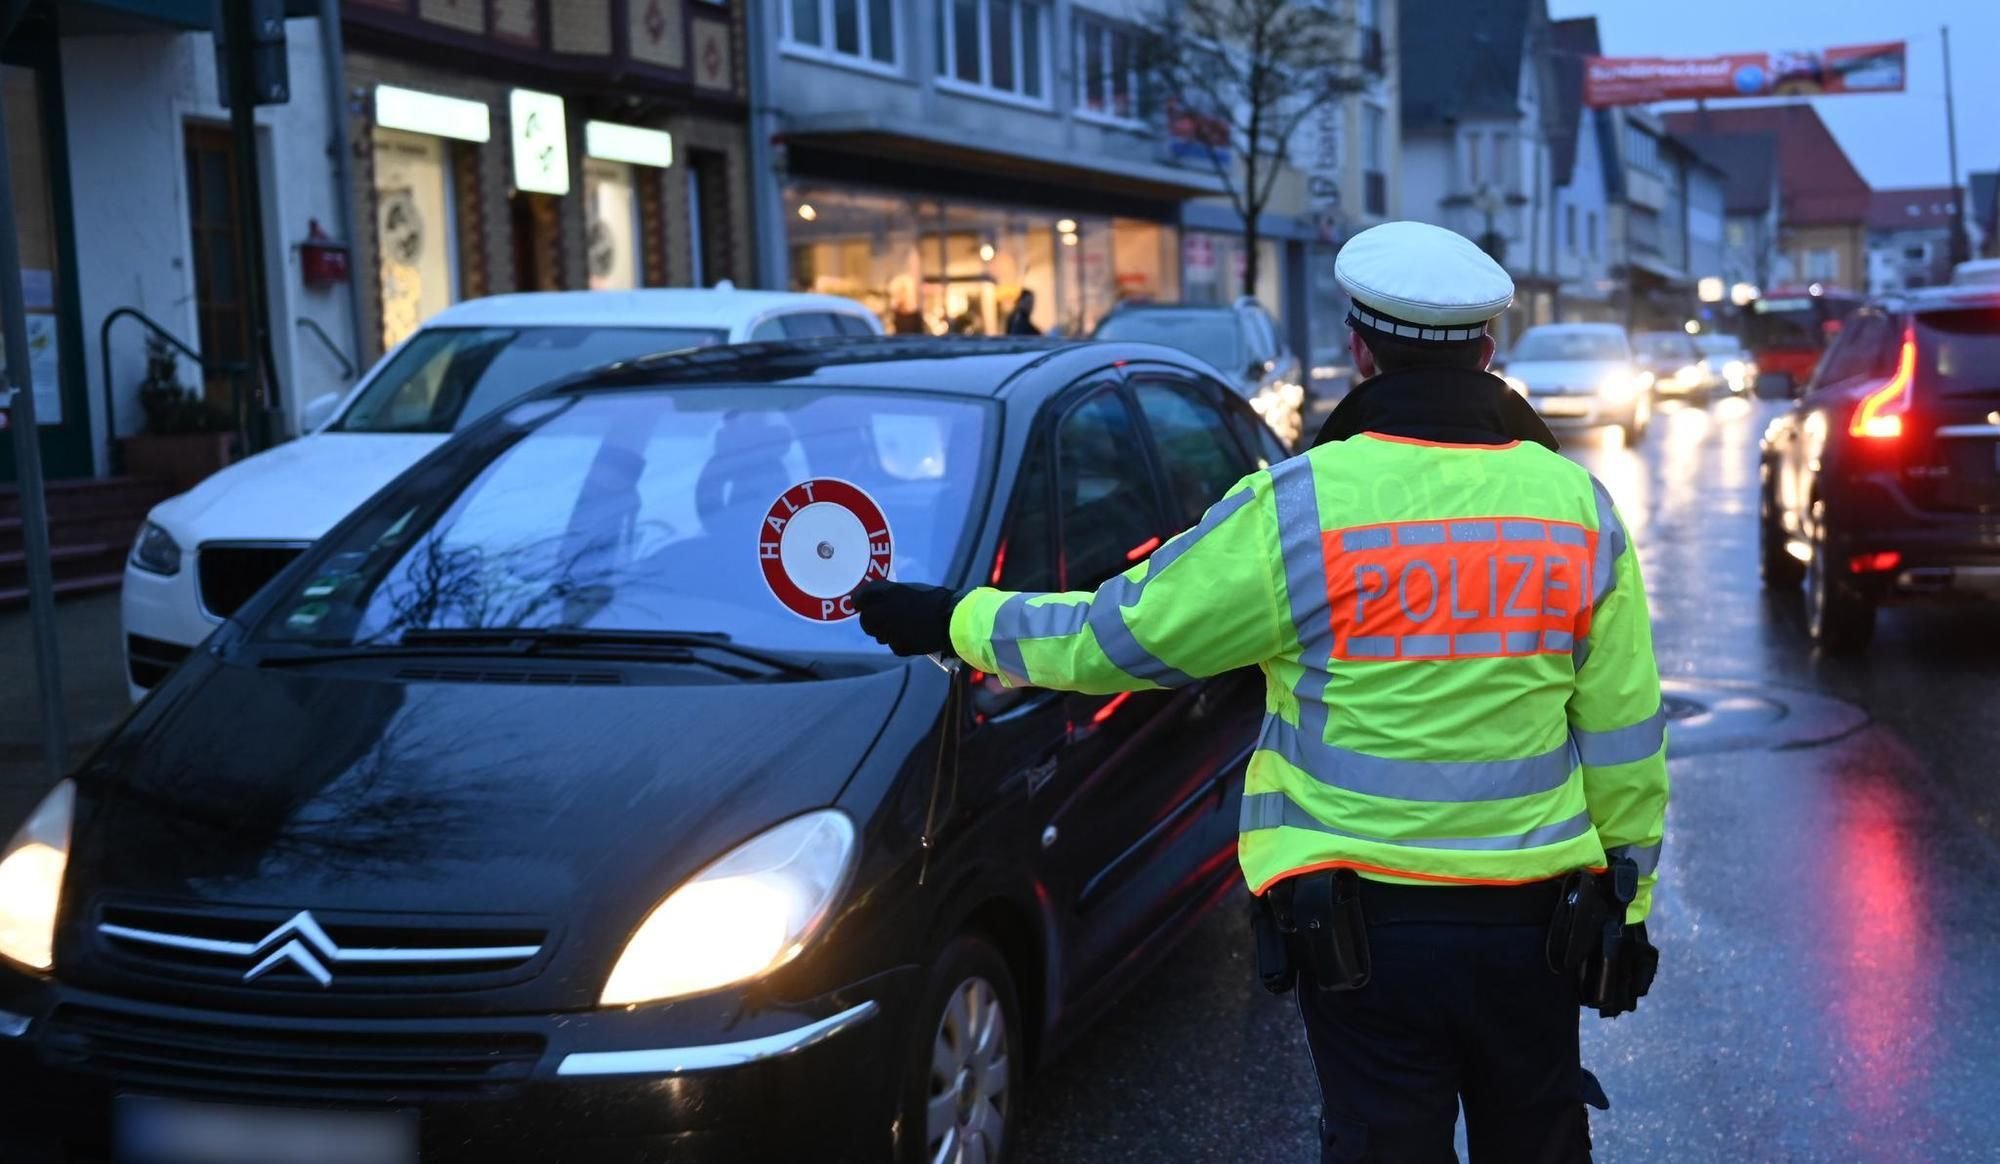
{"x":171,"y":1131}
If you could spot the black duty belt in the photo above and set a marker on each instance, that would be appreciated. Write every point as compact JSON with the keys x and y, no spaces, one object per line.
{"x":1387,"y":903}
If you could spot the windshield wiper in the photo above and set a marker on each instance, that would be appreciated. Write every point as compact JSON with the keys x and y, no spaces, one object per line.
{"x":679,"y":645}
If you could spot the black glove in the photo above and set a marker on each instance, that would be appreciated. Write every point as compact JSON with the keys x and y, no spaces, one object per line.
{"x":1616,"y":981}
{"x":907,"y":618}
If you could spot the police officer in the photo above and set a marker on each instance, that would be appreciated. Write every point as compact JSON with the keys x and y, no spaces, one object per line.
{"x":1455,"y":808}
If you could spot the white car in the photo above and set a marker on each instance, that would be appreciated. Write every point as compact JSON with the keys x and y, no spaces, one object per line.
{"x":202,"y":554}
{"x":1582,"y":375}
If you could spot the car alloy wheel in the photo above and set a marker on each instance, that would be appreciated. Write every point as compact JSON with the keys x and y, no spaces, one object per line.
{"x":1841,"y":621}
{"x":970,"y":1076}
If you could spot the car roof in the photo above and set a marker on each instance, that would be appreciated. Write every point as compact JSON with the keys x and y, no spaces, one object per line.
{"x":961,"y":366}
{"x":1947,"y":298}
{"x":717,"y":307}
{"x":1597,"y":328}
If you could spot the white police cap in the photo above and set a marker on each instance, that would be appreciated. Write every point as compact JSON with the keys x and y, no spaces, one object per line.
{"x":1421,"y":282}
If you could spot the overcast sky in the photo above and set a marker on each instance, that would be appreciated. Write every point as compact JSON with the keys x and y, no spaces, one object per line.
{"x":1895,"y":140}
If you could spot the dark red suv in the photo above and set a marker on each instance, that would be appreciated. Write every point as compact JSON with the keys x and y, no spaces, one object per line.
{"x":1882,"y":483}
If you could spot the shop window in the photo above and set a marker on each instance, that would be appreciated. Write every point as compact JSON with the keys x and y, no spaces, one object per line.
{"x":611,"y":209}
{"x":994,"y":45}
{"x":858,"y":31}
{"x":708,"y":217}
{"x":1107,"y":70}
{"x":222,"y":310}
{"x":415,"y":231}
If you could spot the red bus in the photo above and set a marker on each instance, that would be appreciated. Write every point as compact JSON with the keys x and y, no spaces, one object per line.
{"x":1786,"y":330}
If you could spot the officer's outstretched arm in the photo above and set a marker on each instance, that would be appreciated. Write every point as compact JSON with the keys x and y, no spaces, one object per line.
{"x":1615,"y":714}
{"x":1206,"y":602}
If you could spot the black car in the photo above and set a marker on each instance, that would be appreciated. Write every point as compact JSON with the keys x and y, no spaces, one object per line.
{"x":1882,"y":483}
{"x":519,"y":820}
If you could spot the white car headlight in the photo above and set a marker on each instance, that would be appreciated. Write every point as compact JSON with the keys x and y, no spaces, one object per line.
{"x":743,"y":916}
{"x":1517,"y":384}
{"x":156,"y":551}
{"x":1622,"y":386}
{"x":31,"y":876}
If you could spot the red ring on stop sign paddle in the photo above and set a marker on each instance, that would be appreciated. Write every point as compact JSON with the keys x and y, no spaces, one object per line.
{"x":771,"y":537}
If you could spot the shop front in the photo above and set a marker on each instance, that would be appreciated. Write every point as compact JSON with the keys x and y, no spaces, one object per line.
{"x":937,"y":264}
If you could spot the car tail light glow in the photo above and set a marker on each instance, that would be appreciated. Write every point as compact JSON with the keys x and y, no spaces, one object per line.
{"x":1879,"y":416}
{"x":1880,"y":562}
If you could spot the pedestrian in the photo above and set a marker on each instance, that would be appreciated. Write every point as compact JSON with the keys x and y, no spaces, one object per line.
{"x":1452,"y":818}
{"x":1021,"y":320}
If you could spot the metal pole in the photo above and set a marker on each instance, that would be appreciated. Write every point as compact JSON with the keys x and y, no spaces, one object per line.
{"x":250,"y":188}
{"x":20,"y":395}
{"x":1958,"y":239}
{"x":766,"y":194}
{"x":333,"y":56}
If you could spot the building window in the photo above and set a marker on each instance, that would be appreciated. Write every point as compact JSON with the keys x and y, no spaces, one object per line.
{"x":1107,"y":70}
{"x":853,"y":30}
{"x":1502,"y":142}
{"x":1472,"y":159}
{"x":1739,"y":235}
{"x":611,"y":225}
{"x":1569,"y":228}
{"x":1921,"y":253}
{"x":1823,"y":265}
{"x":994,"y":45}
{"x":1590,"y":231}
{"x":415,"y":231}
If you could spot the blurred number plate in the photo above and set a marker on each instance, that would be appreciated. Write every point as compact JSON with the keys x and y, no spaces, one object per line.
{"x":171,"y":1131}
{"x":1562,"y":405}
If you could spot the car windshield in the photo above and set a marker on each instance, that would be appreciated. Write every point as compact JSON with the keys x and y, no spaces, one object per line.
{"x":1718,"y":345}
{"x":1553,"y":346}
{"x":1960,"y":351}
{"x":445,"y":378}
{"x":1663,"y":345}
{"x":1205,"y":335}
{"x":640,"y":510}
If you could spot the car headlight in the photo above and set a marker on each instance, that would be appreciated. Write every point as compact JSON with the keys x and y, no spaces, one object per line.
{"x":1517,"y":384}
{"x":31,"y":876}
{"x":156,"y":551}
{"x":743,"y":916}
{"x":1619,"y":387}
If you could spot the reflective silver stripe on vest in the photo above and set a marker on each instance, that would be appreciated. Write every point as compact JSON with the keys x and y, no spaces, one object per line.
{"x":1429,"y":781}
{"x":1524,"y":531}
{"x":1018,"y":619}
{"x":1647,"y":857}
{"x":1266,"y":810}
{"x":1624,"y":745}
{"x":1303,"y":547}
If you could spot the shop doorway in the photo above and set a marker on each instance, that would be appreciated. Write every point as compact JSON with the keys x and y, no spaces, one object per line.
{"x":537,"y":242}
{"x":222,"y":304}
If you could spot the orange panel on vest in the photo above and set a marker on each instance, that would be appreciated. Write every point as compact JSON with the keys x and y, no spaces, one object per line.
{"x":1466,"y":588}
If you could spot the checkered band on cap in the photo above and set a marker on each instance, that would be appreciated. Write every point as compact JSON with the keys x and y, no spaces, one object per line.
{"x":1359,"y":316}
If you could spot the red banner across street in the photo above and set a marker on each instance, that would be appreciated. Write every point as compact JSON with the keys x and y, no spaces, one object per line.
{"x":1866,"y":68}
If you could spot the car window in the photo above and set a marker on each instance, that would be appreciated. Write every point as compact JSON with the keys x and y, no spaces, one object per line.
{"x":1106,"y":510}
{"x":1855,"y":354}
{"x":1667,"y":345}
{"x":1206,"y":333}
{"x":1200,"y":459}
{"x":445,"y":378}
{"x":1026,"y":559}
{"x":1959,"y":352}
{"x":771,"y":330}
{"x":642,"y":510}
{"x":1539,"y":346}
{"x":852,"y":325}
{"x":1263,"y":337}
{"x":1265,"y":447}
{"x":810,"y":325}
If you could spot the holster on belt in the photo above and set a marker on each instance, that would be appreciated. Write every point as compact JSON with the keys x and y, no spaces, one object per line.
{"x":1611,"y":963}
{"x":1319,"y":916}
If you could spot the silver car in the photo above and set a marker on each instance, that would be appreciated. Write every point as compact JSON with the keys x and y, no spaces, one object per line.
{"x":1582,"y":375}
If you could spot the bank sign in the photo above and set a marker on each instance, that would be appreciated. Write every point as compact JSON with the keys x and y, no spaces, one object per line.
{"x":1865,"y":68}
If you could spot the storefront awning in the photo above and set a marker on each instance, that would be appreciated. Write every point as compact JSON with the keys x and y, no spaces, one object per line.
{"x":893,"y":138}
{"x":1672,"y":275}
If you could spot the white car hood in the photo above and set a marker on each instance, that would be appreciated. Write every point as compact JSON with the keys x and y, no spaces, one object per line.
{"x":1576,"y":376}
{"x":293,"y":493}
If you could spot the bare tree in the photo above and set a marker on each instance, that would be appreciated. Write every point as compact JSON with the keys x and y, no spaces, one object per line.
{"x":1250,"y":72}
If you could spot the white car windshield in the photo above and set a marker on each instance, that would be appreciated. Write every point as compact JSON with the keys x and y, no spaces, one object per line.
{"x":640,"y":510}
{"x":447,"y":377}
{"x":1568,"y":346}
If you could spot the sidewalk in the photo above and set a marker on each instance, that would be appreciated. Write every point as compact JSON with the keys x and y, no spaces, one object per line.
{"x":93,"y":672}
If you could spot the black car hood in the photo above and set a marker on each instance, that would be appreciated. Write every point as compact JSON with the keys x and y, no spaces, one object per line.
{"x":306,"y":788}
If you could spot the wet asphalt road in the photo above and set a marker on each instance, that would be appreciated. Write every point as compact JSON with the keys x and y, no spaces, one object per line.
{"x":1828,"y":914}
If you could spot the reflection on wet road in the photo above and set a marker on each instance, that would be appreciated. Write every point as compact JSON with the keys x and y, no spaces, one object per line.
{"x":1829,"y":911}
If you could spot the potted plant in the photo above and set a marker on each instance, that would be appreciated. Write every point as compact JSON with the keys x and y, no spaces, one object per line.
{"x":185,"y":439}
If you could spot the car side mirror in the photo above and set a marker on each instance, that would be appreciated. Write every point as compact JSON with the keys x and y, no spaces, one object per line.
{"x":1259,"y":367}
{"x":318,"y":411}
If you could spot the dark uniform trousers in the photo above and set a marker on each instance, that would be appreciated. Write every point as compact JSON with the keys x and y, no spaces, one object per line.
{"x":1452,"y":1013}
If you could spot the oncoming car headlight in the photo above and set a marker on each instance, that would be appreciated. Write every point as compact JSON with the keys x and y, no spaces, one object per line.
{"x":1622,"y":386}
{"x":156,"y":551}
{"x":743,"y":916}
{"x":31,"y":876}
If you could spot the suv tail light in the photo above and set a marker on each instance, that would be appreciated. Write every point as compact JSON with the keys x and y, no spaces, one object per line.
{"x":1879,"y":416}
